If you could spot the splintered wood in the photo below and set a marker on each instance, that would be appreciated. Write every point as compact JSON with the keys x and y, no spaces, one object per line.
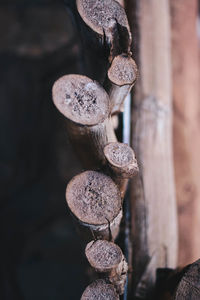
{"x":95,"y":197}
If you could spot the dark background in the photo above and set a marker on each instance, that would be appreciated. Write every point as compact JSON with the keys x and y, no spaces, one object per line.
{"x":41,"y":254}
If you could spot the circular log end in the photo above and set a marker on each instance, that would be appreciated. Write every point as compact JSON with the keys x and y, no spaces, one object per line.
{"x":100,"y":14}
{"x":81,"y":99}
{"x":121,"y":159}
{"x":123,"y":70}
{"x":93,"y":198}
{"x":100,"y":290}
{"x":103,"y":255}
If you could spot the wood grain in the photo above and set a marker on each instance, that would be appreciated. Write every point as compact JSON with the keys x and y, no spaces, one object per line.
{"x":186,"y":109}
{"x":95,"y":202}
{"x":100,"y":290}
{"x":154,"y":222}
{"x":106,"y":257}
{"x":86,"y":107}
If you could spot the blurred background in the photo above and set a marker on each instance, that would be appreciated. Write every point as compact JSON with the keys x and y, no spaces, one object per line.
{"x":41,"y":254}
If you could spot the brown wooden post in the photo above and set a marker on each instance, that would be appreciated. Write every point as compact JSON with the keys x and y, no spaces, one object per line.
{"x":153,"y":204}
{"x":186,"y":97}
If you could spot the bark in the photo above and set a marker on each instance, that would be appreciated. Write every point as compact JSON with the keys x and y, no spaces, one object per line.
{"x":122,"y":75}
{"x":86,"y":107}
{"x":189,"y":286}
{"x":153,"y":204}
{"x":122,"y":163}
{"x":179,"y":284}
{"x":186,"y":96}
{"x":104,"y":34}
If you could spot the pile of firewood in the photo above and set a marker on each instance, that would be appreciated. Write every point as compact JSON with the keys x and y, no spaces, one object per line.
{"x":95,"y":197}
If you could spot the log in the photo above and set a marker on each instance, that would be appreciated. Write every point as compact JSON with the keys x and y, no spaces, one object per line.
{"x":186,"y":125}
{"x":94,"y":200}
{"x":108,"y":21}
{"x":85,"y":104}
{"x":104,"y":33}
{"x":100,"y":290}
{"x":122,"y":163}
{"x":122,"y":75}
{"x":189,"y":286}
{"x":182,"y":283}
{"x":153,"y":203}
{"x":106,"y":257}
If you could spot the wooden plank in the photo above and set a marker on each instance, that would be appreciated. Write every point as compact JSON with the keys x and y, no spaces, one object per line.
{"x":154,"y":222}
{"x":186,"y":96}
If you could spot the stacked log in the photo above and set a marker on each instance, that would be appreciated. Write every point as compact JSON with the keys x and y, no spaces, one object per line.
{"x":95,"y":197}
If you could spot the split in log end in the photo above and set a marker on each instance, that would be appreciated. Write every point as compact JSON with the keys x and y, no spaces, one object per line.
{"x":95,"y":201}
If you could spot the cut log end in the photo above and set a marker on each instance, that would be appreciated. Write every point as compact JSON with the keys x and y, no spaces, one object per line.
{"x":100,"y":290}
{"x":81,"y":99}
{"x":99,"y":14}
{"x":121,"y":159}
{"x":93,"y":198}
{"x":108,"y":20}
{"x":103,"y":255}
{"x":123,"y":70}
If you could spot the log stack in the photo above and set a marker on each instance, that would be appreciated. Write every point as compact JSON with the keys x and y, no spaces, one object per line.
{"x":95,"y":197}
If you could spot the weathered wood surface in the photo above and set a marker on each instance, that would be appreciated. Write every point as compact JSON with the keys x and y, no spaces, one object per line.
{"x":186,"y":104}
{"x":100,"y":290}
{"x":121,"y":77}
{"x":153,"y":204}
{"x":180,"y":284}
{"x":189,"y":286}
{"x":86,"y":106}
{"x":95,"y":202}
{"x":122,"y":164}
{"x":106,"y":257}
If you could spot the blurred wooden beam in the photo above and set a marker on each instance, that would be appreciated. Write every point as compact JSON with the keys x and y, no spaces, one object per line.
{"x":154,"y":222}
{"x":186,"y":104}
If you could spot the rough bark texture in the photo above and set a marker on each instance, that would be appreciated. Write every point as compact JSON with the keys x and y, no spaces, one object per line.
{"x":153,"y":204}
{"x":186,"y":97}
{"x":104,"y":33}
{"x":122,"y":75}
